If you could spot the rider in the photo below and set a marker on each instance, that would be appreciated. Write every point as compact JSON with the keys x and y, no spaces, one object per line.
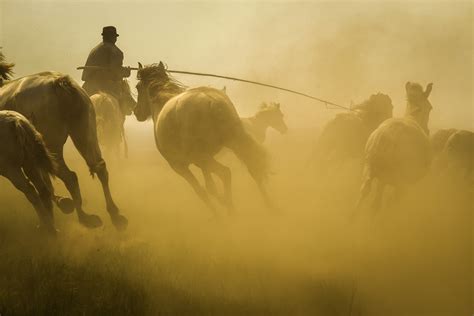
{"x":107,"y":71}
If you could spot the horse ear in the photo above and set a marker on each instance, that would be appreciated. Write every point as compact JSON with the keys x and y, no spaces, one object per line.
{"x":224,"y":89}
{"x":429,"y":87}
{"x":140,"y":66}
{"x":407,"y":85}
{"x":277,"y":105}
{"x":161,"y":65}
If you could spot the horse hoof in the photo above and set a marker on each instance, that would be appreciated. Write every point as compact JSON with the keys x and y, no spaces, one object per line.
{"x":90,"y":221}
{"x":120,"y":222}
{"x":66,"y":205}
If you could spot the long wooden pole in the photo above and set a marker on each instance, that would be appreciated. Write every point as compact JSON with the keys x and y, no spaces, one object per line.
{"x":241,"y":80}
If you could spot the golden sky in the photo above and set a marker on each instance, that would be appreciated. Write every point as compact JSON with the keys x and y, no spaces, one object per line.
{"x":340,"y":51}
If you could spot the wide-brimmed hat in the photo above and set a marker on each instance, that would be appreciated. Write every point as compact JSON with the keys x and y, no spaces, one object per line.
{"x":109,"y":30}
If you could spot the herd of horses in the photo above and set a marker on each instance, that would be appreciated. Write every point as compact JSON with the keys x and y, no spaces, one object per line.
{"x":191,"y":125}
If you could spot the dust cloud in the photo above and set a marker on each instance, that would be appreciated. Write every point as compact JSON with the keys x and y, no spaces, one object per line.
{"x":313,"y":257}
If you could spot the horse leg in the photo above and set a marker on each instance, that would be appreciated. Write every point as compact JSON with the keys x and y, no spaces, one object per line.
{"x":225,"y":175}
{"x":65,"y":204}
{"x":71,"y":182}
{"x":120,"y":222}
{"x":210,"y":184}
{"x":44,"y":188}
{"x":377,"y":204}
{"x":19,"y":180}
{"x":184,"y":171}
{"x":90,"y":151}
{"x":263,"y":191}
{"x":266,"y":197}
{"x":364,"y":192}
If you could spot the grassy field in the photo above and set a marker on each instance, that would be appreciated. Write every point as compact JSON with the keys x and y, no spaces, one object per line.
{"x":414,"y":258}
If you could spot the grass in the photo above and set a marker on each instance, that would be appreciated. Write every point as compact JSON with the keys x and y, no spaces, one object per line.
{"x":412,"y":259}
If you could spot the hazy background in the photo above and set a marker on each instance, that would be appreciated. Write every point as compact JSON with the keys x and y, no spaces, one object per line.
{"x":340,"y":51}
{"x":413,"y":258}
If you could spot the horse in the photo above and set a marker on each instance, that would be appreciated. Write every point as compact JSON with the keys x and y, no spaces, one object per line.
{"x":398,"y":152}
{"x":438,"y":140}
{"x":453,"y":149}
{"x":344,"y":137}
{"x":58,"y":107}
{"x":267,"y":115}
{"x":110,"y":118}
{"x":27,"y":163}
{"x":191,"y":126}
{"x":459,"y":153}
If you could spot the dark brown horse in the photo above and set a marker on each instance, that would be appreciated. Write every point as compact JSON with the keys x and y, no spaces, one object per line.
{"x":59,"y":108}
{"x":344,"y":137}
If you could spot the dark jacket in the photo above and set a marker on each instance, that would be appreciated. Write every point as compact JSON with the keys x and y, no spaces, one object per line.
{"x":105,"y":55}
{"x":108,"y":79}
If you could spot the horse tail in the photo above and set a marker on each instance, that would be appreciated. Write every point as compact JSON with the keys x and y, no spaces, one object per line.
{"x":251,"y":153}
{"x":79,"y":114}
{"x":77,"y":99}
{"x":33,"y":148}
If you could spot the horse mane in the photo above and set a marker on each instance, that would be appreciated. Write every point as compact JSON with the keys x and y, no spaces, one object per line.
{"x":372,"y":103}
{"x":264,"y":106}
{"x":6,"y":69}
{"x":157,"y":76}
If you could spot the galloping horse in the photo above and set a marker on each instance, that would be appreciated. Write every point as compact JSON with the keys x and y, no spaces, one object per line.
{"x":27,"y":163}
{"x":454,"y":149}
{"x":110,"y":118}
{"x":191,"y":126}
{"x":268,"y":115}
{"x":58,"y":107}
{"x":344,"y":136}
{"x":398,"y":152}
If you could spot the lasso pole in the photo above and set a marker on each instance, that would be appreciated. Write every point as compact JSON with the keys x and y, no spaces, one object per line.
{"x":241,"y":80}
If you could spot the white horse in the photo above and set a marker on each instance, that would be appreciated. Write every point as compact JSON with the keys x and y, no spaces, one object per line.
{"x":110,"y":114}
{"x":398,"y":152}
{"x":192,"y":126}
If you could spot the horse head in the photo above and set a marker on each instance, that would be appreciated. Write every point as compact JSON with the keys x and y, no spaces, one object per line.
{"x":419,"y":107}
{"x":153,"y":82}
{"x":381,"y":108}
{"x":272,"y":115}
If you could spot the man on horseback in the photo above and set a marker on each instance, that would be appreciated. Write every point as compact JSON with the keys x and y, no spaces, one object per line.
{"x":104,"y":69}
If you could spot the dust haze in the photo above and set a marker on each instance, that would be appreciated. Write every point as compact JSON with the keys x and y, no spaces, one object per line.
{"x":310,"y":258}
